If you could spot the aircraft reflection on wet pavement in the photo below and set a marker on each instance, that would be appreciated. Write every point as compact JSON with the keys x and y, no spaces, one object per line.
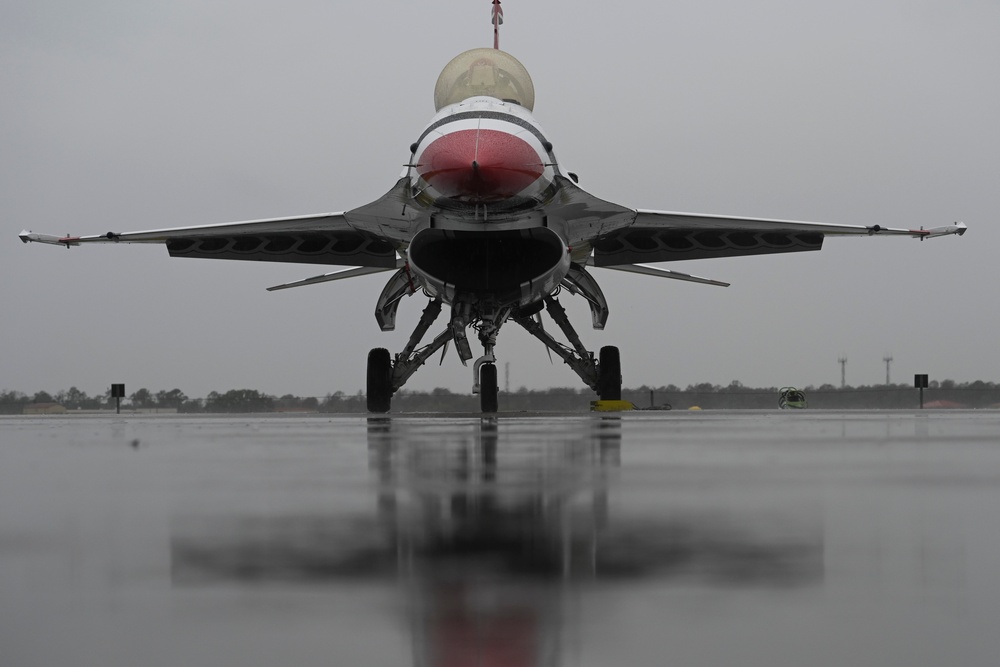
{"x":493,"y":538}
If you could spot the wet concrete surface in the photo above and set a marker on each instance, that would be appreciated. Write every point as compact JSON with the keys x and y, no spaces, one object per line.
{"x":741,"y":538}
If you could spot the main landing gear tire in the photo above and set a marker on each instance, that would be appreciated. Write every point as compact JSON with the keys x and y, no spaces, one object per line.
{"x":488,"y":389}
{"x":379,"y":380}
{"x":609,"y":374}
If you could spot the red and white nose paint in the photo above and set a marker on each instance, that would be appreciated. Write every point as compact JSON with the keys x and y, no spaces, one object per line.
{"x":476,"y":156}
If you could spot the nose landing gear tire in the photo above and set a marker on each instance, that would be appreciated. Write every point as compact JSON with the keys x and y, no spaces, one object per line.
{"x":488,"y":389}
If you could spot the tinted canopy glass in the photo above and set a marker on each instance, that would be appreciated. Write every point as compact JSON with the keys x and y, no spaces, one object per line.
{"x":484,"y":72}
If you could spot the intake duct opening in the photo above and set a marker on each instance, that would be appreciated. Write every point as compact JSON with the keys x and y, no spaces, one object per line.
{"x":496,"y":261}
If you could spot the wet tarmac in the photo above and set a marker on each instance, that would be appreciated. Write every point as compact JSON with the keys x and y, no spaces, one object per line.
{"x":742,"y":538}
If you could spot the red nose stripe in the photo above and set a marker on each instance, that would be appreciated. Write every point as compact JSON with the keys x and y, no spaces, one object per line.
{"x":479,"y":165}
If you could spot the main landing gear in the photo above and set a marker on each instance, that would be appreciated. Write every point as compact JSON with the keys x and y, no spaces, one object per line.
{"x":387,"y":374}
{"x":379,"y":380}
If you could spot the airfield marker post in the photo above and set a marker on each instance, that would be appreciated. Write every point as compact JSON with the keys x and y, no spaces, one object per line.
{"x":118,"y":393}
{"x":920,"y":382}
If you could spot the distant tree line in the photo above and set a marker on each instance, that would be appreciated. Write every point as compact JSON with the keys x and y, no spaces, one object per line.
{"x":735,"y":395}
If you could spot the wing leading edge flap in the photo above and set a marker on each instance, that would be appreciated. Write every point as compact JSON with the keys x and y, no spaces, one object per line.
{"x":338,"y":275}
{"x":319,"y":222}
{"x":663,"y":273}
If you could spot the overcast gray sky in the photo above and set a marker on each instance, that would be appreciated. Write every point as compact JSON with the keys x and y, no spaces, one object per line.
{"x":122,"y":116}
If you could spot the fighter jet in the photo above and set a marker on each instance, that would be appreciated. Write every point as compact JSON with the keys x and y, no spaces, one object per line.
{"x":484,"y":220}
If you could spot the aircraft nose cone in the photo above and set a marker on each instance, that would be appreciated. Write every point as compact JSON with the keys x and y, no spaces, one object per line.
{"x":479,"y":166}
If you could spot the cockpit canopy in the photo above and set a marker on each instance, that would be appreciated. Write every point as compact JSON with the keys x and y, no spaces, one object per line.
{"x":488,"y":72}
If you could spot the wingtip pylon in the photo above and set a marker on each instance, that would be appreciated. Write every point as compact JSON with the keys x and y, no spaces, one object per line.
{"x":957,"y":229}
{"x":28,"y":236}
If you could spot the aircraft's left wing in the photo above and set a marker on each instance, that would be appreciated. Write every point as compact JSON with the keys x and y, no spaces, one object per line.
{"x":325,"y":238}
{"x":619,"y":236}
{"x":662,"y":236}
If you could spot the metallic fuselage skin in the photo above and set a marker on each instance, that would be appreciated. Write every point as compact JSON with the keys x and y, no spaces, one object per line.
{"x":485,"y":169}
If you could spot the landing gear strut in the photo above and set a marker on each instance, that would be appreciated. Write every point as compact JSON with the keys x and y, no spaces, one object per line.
{"x":603,"y":376}
{"x":387,"y":374}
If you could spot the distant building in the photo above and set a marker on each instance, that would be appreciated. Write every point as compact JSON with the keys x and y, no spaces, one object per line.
{"x":948,"y":405}
{"x":44,"y":409}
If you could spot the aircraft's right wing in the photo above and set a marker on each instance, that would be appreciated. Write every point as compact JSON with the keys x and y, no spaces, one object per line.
{"x":325,"y":238}
{"x":368,"y":236}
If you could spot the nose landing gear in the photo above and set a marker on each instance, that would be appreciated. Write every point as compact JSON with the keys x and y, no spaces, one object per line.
{"x":489,"y":391}
{"x":484,"y":371}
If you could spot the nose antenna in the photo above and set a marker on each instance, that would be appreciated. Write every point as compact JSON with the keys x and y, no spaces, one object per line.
{"x":497,"y":22}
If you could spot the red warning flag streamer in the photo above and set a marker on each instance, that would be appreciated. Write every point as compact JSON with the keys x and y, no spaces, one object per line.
{"x":497,"y":22}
